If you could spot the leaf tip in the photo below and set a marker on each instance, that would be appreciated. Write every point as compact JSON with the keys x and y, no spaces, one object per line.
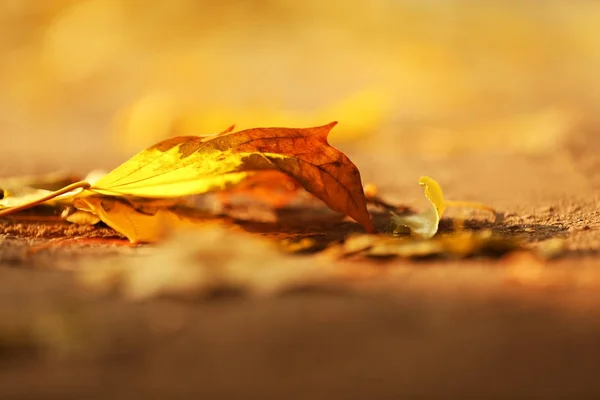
{"x":324,"y":130}
{"x":330,"y":126}
{"x":227,"y":130}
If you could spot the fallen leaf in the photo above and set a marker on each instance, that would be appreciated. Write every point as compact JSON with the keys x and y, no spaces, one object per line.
{"x":484,"y":242}
{"x":188,"y":165}
{"x":458,"y":244}
{"x":425,"y":224}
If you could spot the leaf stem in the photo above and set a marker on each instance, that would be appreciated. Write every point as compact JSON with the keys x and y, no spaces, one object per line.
{"x":50,"y":196}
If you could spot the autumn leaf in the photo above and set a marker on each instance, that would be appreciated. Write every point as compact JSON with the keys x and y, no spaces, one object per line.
{"x":457,"y":244}
{"x":188,"y":165}
{"x":425,"y":224}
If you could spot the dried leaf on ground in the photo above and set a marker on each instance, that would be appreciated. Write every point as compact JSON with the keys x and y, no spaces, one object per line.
{"x":458,"y":244}
{"x":425,"y":224}
{"x":189,"y":165}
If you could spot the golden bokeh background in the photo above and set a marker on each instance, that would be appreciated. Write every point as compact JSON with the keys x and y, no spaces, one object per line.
{"x":85,"y":80}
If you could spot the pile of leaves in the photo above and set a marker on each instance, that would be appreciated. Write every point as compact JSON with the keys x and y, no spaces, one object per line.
{"x":155,"y":193}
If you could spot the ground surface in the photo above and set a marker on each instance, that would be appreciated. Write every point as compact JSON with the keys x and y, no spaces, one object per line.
{"x":513,"y":327}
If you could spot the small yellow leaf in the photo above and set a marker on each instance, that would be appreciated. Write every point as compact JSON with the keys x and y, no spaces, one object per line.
{"x":424,"y":225}
{"x":434,"y":194}
{"x":457,"y":244}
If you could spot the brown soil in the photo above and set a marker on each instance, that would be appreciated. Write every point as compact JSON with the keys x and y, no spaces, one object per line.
{"x":485,"y":327}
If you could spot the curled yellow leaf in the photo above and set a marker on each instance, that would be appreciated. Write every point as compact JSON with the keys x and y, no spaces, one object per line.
{"x":425,"y":224}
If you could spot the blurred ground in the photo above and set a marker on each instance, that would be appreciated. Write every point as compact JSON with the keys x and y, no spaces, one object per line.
{"x":496,"y":100}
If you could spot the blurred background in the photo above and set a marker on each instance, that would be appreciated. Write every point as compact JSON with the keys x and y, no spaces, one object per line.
{"x":89,"y":82}
{"x":483,"y":95}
